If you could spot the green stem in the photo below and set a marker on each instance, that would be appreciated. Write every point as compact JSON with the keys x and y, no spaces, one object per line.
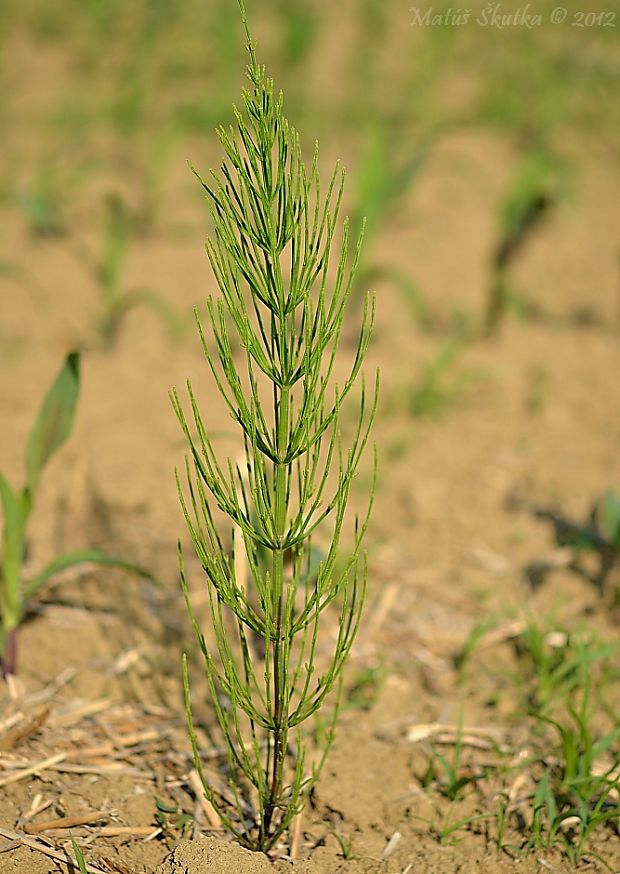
{"x":279,"y":717}
{"x":8,"y":662}
{"x":10,"y":609}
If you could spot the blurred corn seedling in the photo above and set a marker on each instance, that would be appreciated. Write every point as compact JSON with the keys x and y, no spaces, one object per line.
{"x":589,"y":547}
{"x":129,"y":110}
{"x":298,"y":24}
{"x":107,"y":270}
{"x":268,"y":669}
{"x":226,"y":57}
{"x":50,"y":430}
{"x":364,"y":74}
{"x":151,"y":171}
{"x":533,"y":193}
{"x":42,"y":201}
{"x":384,"y":179}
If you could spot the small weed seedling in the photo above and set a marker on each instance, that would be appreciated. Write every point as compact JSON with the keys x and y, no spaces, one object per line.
{"x":172,"y":821}
{"x":552,"y":662}
{"x":438,"y":386}
{"x":446,"y":828}
{"x":573,"y":763}
{"x":451,"y":777}
{"x":274,"y":229}
{"x":344,"y":842}
{"x":79,"y":857}
{"x":365,"y":689}
{"x":578,"y":789}
{"x":51,"y":428}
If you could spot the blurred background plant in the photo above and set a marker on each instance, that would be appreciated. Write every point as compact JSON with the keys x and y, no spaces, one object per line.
{"x":106,"y":268}
{"x":533,"y":193}
{"x":51,"y":429}
{"x":171,"y":72}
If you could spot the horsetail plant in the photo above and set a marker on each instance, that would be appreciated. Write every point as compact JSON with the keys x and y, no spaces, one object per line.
{"x":50,"y":430}
{"x":269,"y":669}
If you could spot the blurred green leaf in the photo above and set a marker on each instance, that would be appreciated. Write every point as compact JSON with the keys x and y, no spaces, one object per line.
{"x":79,"y":857}
{"x":611,"y":517}
{"x":166,"y":806}
{"x":532,"y":192}
{"x":55,"y":419}
{"x":82,"y":556}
